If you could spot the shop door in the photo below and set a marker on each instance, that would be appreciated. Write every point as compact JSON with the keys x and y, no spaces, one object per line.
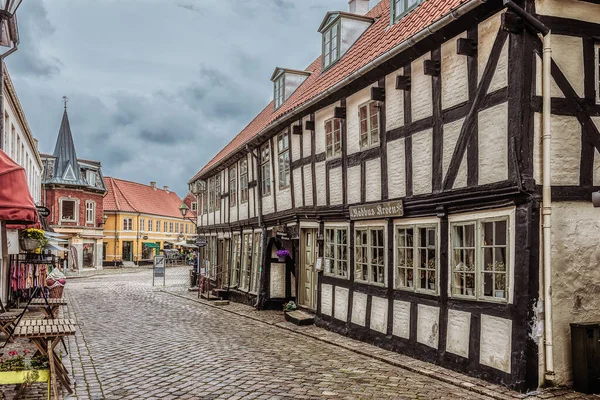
{"x":126,"y":254}
{"x":308,"y":275}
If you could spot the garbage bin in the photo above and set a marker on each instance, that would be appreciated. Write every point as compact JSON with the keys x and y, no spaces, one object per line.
{"x":585,"y":353}
{"x":193,"y":277}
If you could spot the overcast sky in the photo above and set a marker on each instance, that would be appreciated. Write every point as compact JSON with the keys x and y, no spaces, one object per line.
{"x":156,"y":87}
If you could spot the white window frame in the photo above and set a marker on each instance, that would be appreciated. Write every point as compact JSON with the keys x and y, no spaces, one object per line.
{"x":90,"y":212}
{"x":170,"y":227}
{"x":157,"y":225}
{"x":75,"y":210}
{"x":194,"y":206}
{"x":236,"y":248}
{"x":265,"y":168}
{"x":150,"y":225}
{"x":371,"y":135}
{"x":283,"y":160}
{"x":244,"y":192}
{"x":232,"y":172}
{"x":330,"y":149}
{"x":369,"y":226}
{"x":416,"y":224}
{"x":279,"y":91}
{"x":477,"y":219}
{"x":246,"y":261}
{"x":128,"y":224}
{"x":331,"y":54}
{"x":335,"y":258}
{"x":255,"y":273}
{"x":218,"y":192}
{"x":142,"y":225}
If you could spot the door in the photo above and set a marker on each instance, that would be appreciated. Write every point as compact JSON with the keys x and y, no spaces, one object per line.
{"x":308,"y":275}
{"x":126,"y":253}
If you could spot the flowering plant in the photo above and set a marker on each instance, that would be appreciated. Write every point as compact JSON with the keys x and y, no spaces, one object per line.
{"x":283,"y":253}
{"x":18,"y":362}
{"x":33,"y":233}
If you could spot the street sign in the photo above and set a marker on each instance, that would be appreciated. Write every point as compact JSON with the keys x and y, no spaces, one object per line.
{"x":200,"y":242}
{"x":43,"y":211}
{"x":159,"y":269}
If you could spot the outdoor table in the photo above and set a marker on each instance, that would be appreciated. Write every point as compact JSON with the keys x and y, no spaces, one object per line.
{"x":7,"y":319}
{"x":51,"y":306}
{"x":46,"y":334}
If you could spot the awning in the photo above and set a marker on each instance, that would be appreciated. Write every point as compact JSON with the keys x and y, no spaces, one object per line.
{"x":151,"y":245}
{"x":16,"y":205}
{"x":55,"y":235}
{"x":52,"y":239}
{"x":53,"y":247}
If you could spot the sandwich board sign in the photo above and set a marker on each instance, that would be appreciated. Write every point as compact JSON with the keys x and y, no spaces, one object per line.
{"x":159,"y":269}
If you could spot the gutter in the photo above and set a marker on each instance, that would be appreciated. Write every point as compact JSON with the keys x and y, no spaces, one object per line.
{"x":546,"y":181}
{"x":405,"y":45}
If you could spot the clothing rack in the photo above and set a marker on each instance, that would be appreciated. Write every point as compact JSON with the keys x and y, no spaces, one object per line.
{"x":28,"y":274}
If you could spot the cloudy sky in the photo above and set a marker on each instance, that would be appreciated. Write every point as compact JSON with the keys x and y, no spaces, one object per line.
{"x":156,"y":87}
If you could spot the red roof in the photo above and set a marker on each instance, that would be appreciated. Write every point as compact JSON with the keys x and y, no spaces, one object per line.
{"x":377,"y":40}
{"x":126,"y":196}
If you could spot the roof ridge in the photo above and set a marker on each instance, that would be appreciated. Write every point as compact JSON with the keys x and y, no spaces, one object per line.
{"x":117,"y":188}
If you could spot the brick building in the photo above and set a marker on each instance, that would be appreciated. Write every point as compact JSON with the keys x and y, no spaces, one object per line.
{"x":73,"y":190}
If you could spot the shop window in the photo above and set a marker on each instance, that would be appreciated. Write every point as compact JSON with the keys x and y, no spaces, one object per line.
{"x":90,"y":212}
{"x":283,"y":149}
{"x":127,"y":224}
{"x":336,"y":252}
{"x":480,"y":259}
{"x":333,"y":138}
{"x":368,"y":117}
{"x":416,"y":258}
{"x":232,"y":186}
{"x":246,"y":263}
{"x":244,"y":181}
{"x":369,"y":260}
{"x":255,"y":264}
{"x":265,"y":168}
{"x":68,"y":210}
{"x":235,"y":260}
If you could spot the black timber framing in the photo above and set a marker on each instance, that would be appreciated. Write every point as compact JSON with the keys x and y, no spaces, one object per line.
{"x":291,"y":151}
{"x":408,"y":139}
{"x":313,"y":155}
{"x":383,"y":143}
{"x":472,"y":81}
{"x":301,"y":168}
{"x":438,"y":127}
{"x":344,"y":133}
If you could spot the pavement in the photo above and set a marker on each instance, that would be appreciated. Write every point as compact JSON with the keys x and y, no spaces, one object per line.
{"x":136,"y":341}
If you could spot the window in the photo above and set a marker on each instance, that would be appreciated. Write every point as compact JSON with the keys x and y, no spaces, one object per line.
{"x":283,"y":148}
{"x":336,"y":252}
{"x":127,"y":224}
{"x":235,"y":258}
{"x":217,"y":192}
{"x":194,"y":206}
{"x":265,"y":168}
{"x":186,"y":229}
{"x":232,"y":186}
{"x":331,"y":45}
{"x":91,"y":178}
{"x":211,"y":194}
{"x":279,"y":91}
{"x":89,"y":212}
{"x":181,"y":227}
{"x":368,"y":116}
{"x":597,"y":68}
{"x":165,"y":230}
{"x":416,"y":257}
{"x":68,"y":210}
{"x":244,"y":181}
{"x":255,"y":264}
{"x":246,"y":261}
{"x":142,"y":224}
{"x":333,"y":137}
{"x":370,"y":255}
{"x":170,"y":227}
{"x":480,"y":259}
{"x":157,"y":226}
{"x":150,"y":227}
{"x":402,"y":7}
{"x":176,"y":227}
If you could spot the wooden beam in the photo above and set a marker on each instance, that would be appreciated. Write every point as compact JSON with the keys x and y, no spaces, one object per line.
{"x":466,"y":47}
{"x":378,"y":93}
{"x":403,"y":82}
{"x":431,"y":67}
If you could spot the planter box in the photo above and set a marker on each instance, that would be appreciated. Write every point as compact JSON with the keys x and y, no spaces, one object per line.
{"x":19,"y":377}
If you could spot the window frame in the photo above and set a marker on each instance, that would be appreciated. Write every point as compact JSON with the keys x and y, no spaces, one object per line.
{"x":218,"y":192}
{"x":336,"y":259}
{"x":127,"y":224}
{"x":75,"y":210}
{"x":415,"y":225}
{"x":236,"y":248}
{"x":255,"y":272}
{"x":279,"y":91}
{"x":232,"y":174}
{"x":370,"y":134}
{"x":194,"y":206}
{"x":283,"y":152}
{"x":370,"y":227}
{"x":90,"y":214}
{"x":478,"y":219}
{"x":150,"y":225}
{"x":158,"y":225}
{"x":142,"y":225}
{"x":597,"y":70}
{"x":333,"y":154}
{"x":265,"y":165}
{"x":335,"y":24}
{"x":246,"y":261}
{"x":406,"y":9}
{"x":244,"y":191}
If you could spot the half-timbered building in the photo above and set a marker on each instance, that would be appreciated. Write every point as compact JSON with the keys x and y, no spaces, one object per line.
{"x":430,"y":174}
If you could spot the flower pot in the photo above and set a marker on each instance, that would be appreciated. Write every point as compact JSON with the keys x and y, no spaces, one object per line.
{"x":432,"y":286}
{"x":469,"y":292}
{"x":29,"y":244}
{"x":499,"y":293}
{"x":281,"y":259}
{"x":19,"y":377}
{"x":410,"y":283}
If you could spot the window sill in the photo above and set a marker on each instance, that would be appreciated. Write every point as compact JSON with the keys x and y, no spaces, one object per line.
{"x":494,"y":300}
{"x":371,"y":283}
{"x":369,"y":147}
{"x":332,"y":158}
{"x":331,"y":275}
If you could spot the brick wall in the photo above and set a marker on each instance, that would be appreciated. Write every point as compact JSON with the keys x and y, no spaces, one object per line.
{"x":52,"y":201}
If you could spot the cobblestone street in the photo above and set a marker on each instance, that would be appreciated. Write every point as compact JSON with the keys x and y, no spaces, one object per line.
{"x":140,"y":342}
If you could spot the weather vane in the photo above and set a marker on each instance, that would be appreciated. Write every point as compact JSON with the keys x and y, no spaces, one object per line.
{"x":65,"y":100}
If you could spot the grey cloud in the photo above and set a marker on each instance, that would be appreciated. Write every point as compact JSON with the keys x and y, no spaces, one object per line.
{"x":191,"y":7}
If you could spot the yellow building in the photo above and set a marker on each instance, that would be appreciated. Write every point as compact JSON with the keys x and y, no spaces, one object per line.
{"x":141,"y":220}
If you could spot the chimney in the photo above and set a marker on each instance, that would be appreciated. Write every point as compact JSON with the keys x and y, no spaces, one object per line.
{"x":153,"y":185}
{"x":166,"y":189}
{"x":360,"y":7}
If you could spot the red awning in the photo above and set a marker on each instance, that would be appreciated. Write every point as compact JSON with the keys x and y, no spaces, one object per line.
{"x":16,"y":205}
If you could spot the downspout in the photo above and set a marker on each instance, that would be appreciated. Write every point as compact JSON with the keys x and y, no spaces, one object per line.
{"x":263,"y":232}
{"x":546,"y":181}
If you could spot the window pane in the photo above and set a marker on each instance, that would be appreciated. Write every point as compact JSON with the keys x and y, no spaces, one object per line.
{"x":500,"y":233}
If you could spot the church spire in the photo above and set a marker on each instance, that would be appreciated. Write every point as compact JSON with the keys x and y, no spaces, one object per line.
{"x":66,"y":166}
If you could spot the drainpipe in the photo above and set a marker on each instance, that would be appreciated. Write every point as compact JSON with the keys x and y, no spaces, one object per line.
{"x":546,"y":180}
{"x":263,"y":231}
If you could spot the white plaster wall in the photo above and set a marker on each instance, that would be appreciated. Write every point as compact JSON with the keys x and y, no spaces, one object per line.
{"x":277,"y":281}
{"x":350,"y":32}
{"x":233,"y":211}
{"x":458,"y":333}
{"x":326,"y":299}
{"x":488,"y":30}
{"x":493,"y":147}
{"x":567,"y":51}
{"x":341,"y":303}
{"x":284,"y":199}
{"x":575,"y":275}
{"x":352,"y":120}
{"x":379,"y":314}
{"x":306,"y":140}
{"x":451,"y":134}
{"x":455,"y":88}
{"x":421,"y":91}
{"x":373,"y":179}
{"x":565,"y":153}
{"x":320,"y":117}
{"x":295,"y":142}
{"x":308,"y":188}
{"x":243,"y":211}
{"x":267,"y":204}
{"x":359,"y":308}
{"x":401,"y":319}
{"x":321,"y":182}
{"x":353,"y":185}
{"x":422,"y":161}
{"x":495,"y":343}
{"x":336,"y":186}
{"x":573,"y":9}
{"x":298,"y":195}
{"x":554,"y":90}
{"x":428,"y":325}
{"x":394,"y":101}
{"x":396,"y":169}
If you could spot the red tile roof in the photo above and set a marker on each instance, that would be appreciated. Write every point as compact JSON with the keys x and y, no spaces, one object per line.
{"x":126,"y":196}
{"x":377,"y":40}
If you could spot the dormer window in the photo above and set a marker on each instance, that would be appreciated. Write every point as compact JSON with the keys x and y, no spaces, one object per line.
{"x":279,"y":91}
{"x":331,"y":44}
{"x":285,"y":82}
{"x":402,"y":7}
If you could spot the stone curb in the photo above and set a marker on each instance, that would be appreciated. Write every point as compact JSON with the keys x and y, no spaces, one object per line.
{"x":431,"y":374}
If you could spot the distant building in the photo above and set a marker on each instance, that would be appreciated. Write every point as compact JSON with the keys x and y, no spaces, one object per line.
{"x":142,"y":220}
{"x":73,"y":190}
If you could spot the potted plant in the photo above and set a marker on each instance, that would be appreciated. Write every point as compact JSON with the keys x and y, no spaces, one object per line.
{"x":469,"y":284}
{"x":282,"y":254}
{"x":431,"y":265}
{"x":409,"y":277}
{"x":290,"y":306}
{"x":31,"y":239}
{"x":19,"y":369}
{"x":499,"y":285}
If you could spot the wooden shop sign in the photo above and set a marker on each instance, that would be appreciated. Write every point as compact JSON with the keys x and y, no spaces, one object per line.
{"x":377,"y":210}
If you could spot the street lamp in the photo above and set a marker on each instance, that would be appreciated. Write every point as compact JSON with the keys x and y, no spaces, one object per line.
{"x":8,"y":8}
{"x":8,"y":26}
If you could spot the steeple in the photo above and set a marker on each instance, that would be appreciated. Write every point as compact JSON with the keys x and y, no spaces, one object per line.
{"x":66,"y":166}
